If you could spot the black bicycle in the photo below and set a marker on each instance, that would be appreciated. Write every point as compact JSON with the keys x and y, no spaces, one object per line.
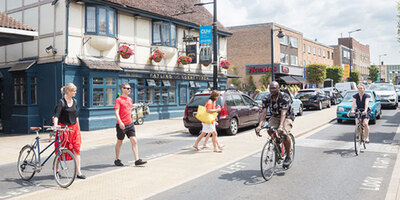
{"x":359,"y":133}
{"x":274,"y":153}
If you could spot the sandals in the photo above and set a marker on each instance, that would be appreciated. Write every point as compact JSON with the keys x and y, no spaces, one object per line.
{"x":221,"y":146}
{"x":196,"y":147}
{"x":218,"y":151}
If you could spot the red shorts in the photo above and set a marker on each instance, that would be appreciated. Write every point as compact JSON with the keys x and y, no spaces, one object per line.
{"x":73,"y":139}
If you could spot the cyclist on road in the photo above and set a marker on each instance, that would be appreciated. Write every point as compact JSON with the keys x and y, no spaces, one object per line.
{"x":282,"y":116}
{"x":361,"y":99}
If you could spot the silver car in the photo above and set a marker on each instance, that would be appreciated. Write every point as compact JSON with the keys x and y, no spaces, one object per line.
{"x":387,"y":94}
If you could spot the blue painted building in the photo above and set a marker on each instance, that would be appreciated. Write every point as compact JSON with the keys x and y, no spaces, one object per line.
{"x":78,"y":42}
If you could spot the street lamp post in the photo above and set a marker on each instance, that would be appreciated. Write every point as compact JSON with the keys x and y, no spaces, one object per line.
{"x":380,"y":64}
{"x":351,"y":49}
{"x":215,"y":36}
{"x":280,"y":35}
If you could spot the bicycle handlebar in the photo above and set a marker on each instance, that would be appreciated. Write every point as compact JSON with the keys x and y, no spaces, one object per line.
{"x":56,"y":128}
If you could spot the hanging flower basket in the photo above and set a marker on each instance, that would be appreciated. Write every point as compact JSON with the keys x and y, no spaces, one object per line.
{"x":225,"y":64}
{"x":184,"y":60}
{"x":157,"y":56}
{"x":125,"y":51}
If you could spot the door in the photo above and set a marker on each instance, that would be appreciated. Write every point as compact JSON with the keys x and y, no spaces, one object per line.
{"x":243,"y":113}
{"x":253,"y":109}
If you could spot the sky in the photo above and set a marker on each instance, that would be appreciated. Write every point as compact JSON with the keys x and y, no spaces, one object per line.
{"x":323,"y":20}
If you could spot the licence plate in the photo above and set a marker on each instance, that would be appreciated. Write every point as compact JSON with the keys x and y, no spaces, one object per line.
{"x":304,"y":99}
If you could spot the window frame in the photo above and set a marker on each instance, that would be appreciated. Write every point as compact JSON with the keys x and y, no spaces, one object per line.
{"x":172,"y":29}
{"x":104,"y":88}
{"x":292,"y":43}
{"x":291,"y":60}
{"x":286,"y":57}
{"x":97,"y":21}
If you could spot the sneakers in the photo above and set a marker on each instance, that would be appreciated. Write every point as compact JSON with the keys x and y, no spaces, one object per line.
{"x":287,"y":161}
{"x":118,"y":163}
{"x":140,"y":162}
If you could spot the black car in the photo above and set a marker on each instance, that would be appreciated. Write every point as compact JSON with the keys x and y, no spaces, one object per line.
{"x":333,"y":94}
{"x":314,"y":98}
{"x":237,"y":110}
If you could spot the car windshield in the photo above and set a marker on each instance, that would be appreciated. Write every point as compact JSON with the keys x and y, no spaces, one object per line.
{"x":397,"y":86}
{"x":201,"y":100}
{"x":349,"y":95}
{"x":261,"y":95}
{"x":382,"y":87}
{"x":309,"y":92}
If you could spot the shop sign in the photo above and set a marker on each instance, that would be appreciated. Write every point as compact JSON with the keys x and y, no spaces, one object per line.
{"x":260,"y":68}
{"x":191,"y":52}
{"x":285,"y":69}
{"x":178,"y":76}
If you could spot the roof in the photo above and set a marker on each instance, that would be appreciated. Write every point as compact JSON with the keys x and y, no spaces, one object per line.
{"x":100,"y":64}
{"x":9,"y":22}
{"x":183,"y":10}
{"x":22,"y":66}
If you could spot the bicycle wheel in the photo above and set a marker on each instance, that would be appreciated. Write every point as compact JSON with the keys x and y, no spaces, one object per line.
{"x":268,"y":158}
{"x":64,"y":168}
{"x":357,"y":140}
{"x":26,"y":163}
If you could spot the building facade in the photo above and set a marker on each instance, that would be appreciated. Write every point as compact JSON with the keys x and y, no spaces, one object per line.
{"x":391,"y":72}
{"x":361,"y":55}
{"x":78,"y":43}
{"x":249,"y":50}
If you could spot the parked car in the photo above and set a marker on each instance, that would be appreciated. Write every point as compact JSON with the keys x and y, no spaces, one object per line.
{"x":314,"y":98}
{"x":343,"y":87}
{"x":297,"y":105}
{"x":387,"y":94}
{"x":333,"y":94}
{"x":345,"y":106}
{"x":397,"y":87}
{"x":237,"y":110}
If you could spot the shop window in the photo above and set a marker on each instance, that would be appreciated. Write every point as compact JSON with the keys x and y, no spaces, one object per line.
{"x":182,"y":95}
{"x":172,"y":95}
{"x":141,"y":95}
{"x":33,"y":90}
{"x":141,"y":82}
{"x":151,"y":83}
{"x":104,"y":91}
{"x":20,"y":94}
{"x":164,"y":33}
{"x":165,"y":95}
{"x":100,"y":20}
{"x":157,"y":95}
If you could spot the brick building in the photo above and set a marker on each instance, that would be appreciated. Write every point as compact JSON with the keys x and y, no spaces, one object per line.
{"x":361,"y":55}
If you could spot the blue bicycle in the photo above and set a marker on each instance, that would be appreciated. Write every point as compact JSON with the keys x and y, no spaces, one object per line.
{"x":64,"y":164}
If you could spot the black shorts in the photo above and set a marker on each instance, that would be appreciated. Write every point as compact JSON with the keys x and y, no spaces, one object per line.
{"x":129,"y":131}
{"x":367,"y":116}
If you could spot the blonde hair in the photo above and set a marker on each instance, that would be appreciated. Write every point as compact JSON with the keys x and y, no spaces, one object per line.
{"x":68,"y":87}
{"x":361,"y":85}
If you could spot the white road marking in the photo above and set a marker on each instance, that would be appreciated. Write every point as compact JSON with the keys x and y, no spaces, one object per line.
{"x":371,"y":183}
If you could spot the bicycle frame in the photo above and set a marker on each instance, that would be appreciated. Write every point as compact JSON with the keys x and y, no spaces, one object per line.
{"x":36,"y":148}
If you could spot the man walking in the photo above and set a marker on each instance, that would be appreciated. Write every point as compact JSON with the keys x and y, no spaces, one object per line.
{"x":123,"y":108}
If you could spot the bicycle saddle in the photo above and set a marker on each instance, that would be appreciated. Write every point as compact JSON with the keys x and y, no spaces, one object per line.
{"x":35,"y":128}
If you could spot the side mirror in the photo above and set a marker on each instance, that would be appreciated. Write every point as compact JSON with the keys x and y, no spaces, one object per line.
{"x":340,"y":99}
{"x":378,"y":100}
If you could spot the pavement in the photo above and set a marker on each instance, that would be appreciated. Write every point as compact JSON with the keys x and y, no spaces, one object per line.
{"x":163,"y":173}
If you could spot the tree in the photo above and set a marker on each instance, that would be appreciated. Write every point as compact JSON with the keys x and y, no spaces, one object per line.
{"x":236,"y":82}
{"x":335,"y":73}
{"x":251,"y":86}
{"x":316,"y":73}
{"x":373,"y":73}
{"x":264,"y":80}
{"x":354,"y":76}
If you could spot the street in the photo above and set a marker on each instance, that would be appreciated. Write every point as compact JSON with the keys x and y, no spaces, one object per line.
{"x":325,"y":167}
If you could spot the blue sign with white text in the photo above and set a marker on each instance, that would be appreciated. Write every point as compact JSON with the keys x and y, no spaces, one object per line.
{"x":205,"y":34}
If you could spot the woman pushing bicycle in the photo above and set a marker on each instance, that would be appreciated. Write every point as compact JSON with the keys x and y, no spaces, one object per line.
{"x":361,"y":99}
{"x":66,"y":114}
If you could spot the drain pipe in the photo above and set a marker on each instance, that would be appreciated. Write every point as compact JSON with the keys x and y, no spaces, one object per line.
{"x":66,"y":43}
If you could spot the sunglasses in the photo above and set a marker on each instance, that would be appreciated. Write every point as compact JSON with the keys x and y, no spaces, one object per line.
{"x":127,"y":88}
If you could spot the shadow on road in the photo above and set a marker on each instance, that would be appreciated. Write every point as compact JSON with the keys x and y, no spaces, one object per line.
{"x":249,"y":177}
{"x":343,"y":153}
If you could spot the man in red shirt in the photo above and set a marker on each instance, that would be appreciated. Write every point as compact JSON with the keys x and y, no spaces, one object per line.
{"x":123,"y":108}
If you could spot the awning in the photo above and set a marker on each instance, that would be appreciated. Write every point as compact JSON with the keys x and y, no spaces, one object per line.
{"x":289,"y":80}
{"x":100,"y":64}
{"x":21,"y":66}
{"x":232,"y":76}
{"x":300,"y":79}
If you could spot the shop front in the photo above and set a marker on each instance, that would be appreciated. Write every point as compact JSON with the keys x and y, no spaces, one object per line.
{"x":284,"y":74}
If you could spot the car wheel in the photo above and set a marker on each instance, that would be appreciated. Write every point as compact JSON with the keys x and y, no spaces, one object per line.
{"x":300,"y":113}
{"x":379,"y":115}
{"x":194,"y":131}
{"x":339,"y":121}
{"x":373,"y":121}
{"x":320,"y":105}
{"x":233,"y":127}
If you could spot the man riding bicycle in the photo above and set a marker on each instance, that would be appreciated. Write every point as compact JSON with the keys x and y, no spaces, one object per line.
{"x":282,"y":116}
{"x":361,"y":99}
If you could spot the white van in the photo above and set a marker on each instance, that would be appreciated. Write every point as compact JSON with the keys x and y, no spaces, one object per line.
{"x":343,"y":87}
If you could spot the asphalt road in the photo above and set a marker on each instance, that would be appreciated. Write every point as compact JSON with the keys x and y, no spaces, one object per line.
{"x":325,"y":167}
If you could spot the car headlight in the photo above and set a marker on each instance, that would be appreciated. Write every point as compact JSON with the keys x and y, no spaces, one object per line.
{"x":392,"y":96}
{"x":340,"y":109}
